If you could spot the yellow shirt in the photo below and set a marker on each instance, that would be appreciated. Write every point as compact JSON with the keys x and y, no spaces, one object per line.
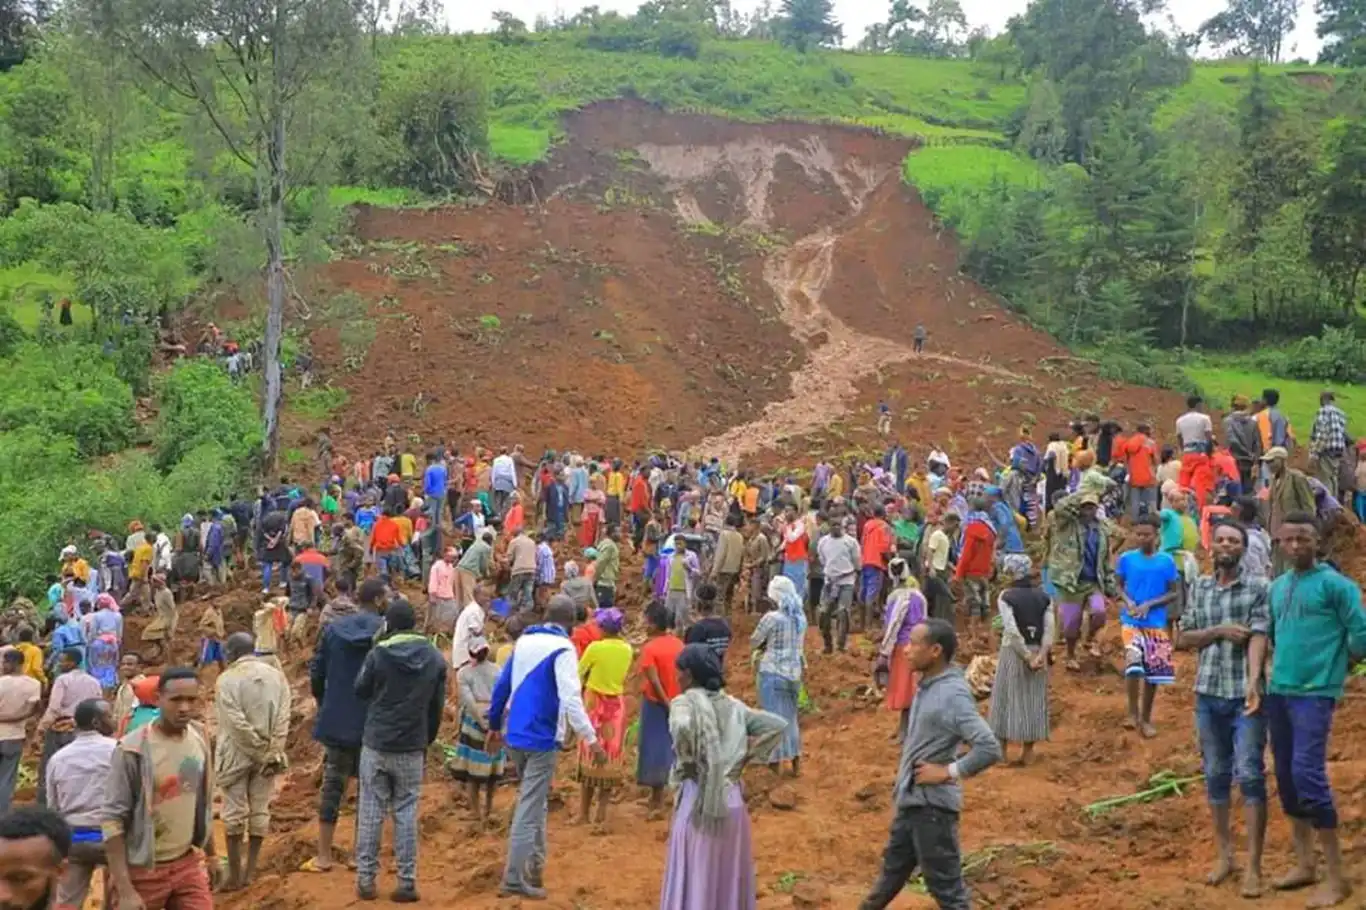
{"x":407,"y":464}
{"x":605,"y":665}
{"x":737,"y":490}
{"x":504,"y":654}
{"x":142,"y":561}
{"x":33,"y":661}
{"x":405,"y":529}
{"x":835,"y":487}
{"x":616,"y":484}
{"x":81,"y":569}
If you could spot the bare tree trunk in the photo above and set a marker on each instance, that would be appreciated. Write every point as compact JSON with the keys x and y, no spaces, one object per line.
{"x":275,"y":262}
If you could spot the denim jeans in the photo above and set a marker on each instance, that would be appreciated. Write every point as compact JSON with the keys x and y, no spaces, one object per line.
{"x":1299,"y":726}
{"x":1233,"y":745}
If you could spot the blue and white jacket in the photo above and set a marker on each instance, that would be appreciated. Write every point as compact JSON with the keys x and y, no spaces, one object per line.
{"x":538,"y":691}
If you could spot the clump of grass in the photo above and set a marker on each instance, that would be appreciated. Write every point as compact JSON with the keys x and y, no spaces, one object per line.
{"x":318,"y":402}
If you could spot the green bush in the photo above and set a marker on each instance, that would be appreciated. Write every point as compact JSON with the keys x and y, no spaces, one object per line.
{"x":198,"y":404}
{"x":433,"y":116}
{"x":1336,"y":355}
{"x":69,"y":389}
{"x":11,"y":333}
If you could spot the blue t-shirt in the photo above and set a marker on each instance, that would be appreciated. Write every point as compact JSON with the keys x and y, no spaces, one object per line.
{"x":1145,"y":578}
{"x":366,"y":518}
{"x":434,"y":480}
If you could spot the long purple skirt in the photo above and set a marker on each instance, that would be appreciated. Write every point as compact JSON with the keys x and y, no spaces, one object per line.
{"x":709,"y":872}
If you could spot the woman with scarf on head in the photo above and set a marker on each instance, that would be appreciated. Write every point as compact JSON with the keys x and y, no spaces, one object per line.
{"x":1019,"y":696}
{"x":906,"y":608}
{"x":472,"y":762}
{"x":710,"y":864}
{"x":781,"y":636}
{"x":604,"y":666}
{"x":103,"y":630}
{"x":594,"y":499}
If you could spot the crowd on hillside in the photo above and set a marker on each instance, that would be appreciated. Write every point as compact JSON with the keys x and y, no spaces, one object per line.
{"x":536,"y":571}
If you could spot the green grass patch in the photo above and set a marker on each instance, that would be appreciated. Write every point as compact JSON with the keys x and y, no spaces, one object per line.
{"x":952,"y":178}
{"x":518,"y":144}
{"x":1299,"y":399}
{"x":318,"y":402}
{"x":22,"y":288}
{"x":389,"y":196}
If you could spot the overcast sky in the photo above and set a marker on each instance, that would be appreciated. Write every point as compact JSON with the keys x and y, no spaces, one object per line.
{"x":856,"y":15}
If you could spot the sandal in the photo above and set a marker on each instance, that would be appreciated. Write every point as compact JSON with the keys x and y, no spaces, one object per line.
{"x":311,"y":865}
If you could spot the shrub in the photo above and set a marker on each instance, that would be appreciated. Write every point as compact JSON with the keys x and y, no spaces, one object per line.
{"x":68,"y":389}
{"x":11,"y":333}
{"x":199,"y":405}
{"x":1335,"y":355}
{"x":433,"y":115}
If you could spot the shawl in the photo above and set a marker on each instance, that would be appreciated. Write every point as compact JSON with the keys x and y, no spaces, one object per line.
{"x":783,"y":592}
{"x":697,"y":718}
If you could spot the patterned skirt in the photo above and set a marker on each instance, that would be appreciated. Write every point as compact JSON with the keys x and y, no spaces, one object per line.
{"x":1019,"y":700}
{"x":470,"y":761}
{"x":607,"y":713}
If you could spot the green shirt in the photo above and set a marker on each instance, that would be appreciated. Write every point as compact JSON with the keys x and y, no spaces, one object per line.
{"x":608,"y":565}
{"x":1316,"y":623}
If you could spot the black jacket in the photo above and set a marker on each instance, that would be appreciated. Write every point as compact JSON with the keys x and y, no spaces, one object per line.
{"x":332,"y":675}
{"x":404,"y":681}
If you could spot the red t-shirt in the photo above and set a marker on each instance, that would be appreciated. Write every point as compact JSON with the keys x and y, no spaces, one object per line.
{"x":662,"y":654}
{"x":313,"y":558}
{"x":387,"y":535}
{"x":640,"y":494}
{"x":877,"y":542}
{"x":796,"y":550}
{"x":1139,"y":453}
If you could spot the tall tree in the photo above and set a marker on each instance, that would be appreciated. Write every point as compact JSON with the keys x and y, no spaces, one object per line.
{"x":1337,"y":221}
{"x":1342,"y":26}
{"x":1099,"y":54}
{"x":809,"y":23}
{"x":1252,"y":28}
{"x":249,"y":66}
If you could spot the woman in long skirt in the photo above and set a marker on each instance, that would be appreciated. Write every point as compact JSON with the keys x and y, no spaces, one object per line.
{"x":710,"y":863}
{"x":906,"y":608}
{"x":658,"y":668}
{"x":593,"y":502}
{"x":472,"y":762}
{"x":1019,"y":696}
{"x":604,"y":666}
{"x":780,"y":636}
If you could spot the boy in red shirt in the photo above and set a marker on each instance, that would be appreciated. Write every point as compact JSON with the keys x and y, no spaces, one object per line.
{"x":1139,"y":452}
{"x":977,"y":561}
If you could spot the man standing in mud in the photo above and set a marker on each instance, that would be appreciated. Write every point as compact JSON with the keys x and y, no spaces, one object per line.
{"x":1226,"y":622}
{"x":929,"y":792}
{"x":919,"y":337}
{"x":1317,"y":627}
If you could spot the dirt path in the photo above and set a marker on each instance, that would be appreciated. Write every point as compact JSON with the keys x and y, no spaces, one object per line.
{"x":839,"y":357}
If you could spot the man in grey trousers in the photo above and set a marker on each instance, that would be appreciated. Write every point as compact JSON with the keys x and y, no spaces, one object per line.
{"x":537,"y":692}
{"x":929,"y":796}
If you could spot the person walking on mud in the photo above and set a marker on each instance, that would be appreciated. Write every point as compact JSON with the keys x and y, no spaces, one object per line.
{"x":929,"y":792}
{"x":1226,"y":622}
{"x":919,"y":337}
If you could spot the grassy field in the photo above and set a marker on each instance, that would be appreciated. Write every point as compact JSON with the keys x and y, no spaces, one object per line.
{"x":1299,"y":400}
{"x":21,"y":291}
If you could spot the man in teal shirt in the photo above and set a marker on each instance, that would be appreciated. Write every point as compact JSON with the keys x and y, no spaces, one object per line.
{"x":1317,"y":628}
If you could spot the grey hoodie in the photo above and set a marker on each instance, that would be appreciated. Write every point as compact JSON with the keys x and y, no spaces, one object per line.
{"x":944,"y":716}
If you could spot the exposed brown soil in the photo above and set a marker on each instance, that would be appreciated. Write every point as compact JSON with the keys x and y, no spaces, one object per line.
{"x":760,"y":285}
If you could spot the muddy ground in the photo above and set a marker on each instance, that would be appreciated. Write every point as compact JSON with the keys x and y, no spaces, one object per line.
{"x":749,"y":290}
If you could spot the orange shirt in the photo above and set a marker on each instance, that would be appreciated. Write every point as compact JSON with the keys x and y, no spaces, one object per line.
{"x":877,"y":542}
{"x":799,"y":549}
{"x":662,"y":654}
{"x":584,"y":635}
{"x":1139,"y":453}
{"x":751,"y":501}
{"x":387,"y":535}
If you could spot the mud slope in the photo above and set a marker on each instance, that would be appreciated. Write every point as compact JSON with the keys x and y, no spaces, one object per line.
{"x":687,"y":282}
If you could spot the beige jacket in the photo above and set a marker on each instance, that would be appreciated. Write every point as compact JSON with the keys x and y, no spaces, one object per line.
{"x":253,"y":702}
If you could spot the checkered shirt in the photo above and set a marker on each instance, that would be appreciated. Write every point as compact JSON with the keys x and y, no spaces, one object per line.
{"x":1222,"y":668}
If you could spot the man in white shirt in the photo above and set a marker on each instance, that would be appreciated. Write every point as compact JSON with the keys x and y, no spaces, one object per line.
{"x":469,"y":625}
{"x":938,"y":547}
{"x":75,"y":791}
{"x":503,"y":479}
{"x":840,"y":559}
{"x":1194,"y":427}
{"x":20,"y":696}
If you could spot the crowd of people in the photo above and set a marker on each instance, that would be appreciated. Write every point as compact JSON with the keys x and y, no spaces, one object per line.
{"x":560,"y":561}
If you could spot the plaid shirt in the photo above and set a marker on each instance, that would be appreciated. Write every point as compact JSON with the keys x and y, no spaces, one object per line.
{"x":1330,"y":431}
{"x":782,"y":645}
{"x":1222,"y":670}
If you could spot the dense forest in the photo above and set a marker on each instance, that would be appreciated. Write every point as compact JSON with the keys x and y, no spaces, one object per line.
{"x":1160,"y":210}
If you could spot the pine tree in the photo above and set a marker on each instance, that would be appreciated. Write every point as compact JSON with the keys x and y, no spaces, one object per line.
{"x":810,"y":23}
